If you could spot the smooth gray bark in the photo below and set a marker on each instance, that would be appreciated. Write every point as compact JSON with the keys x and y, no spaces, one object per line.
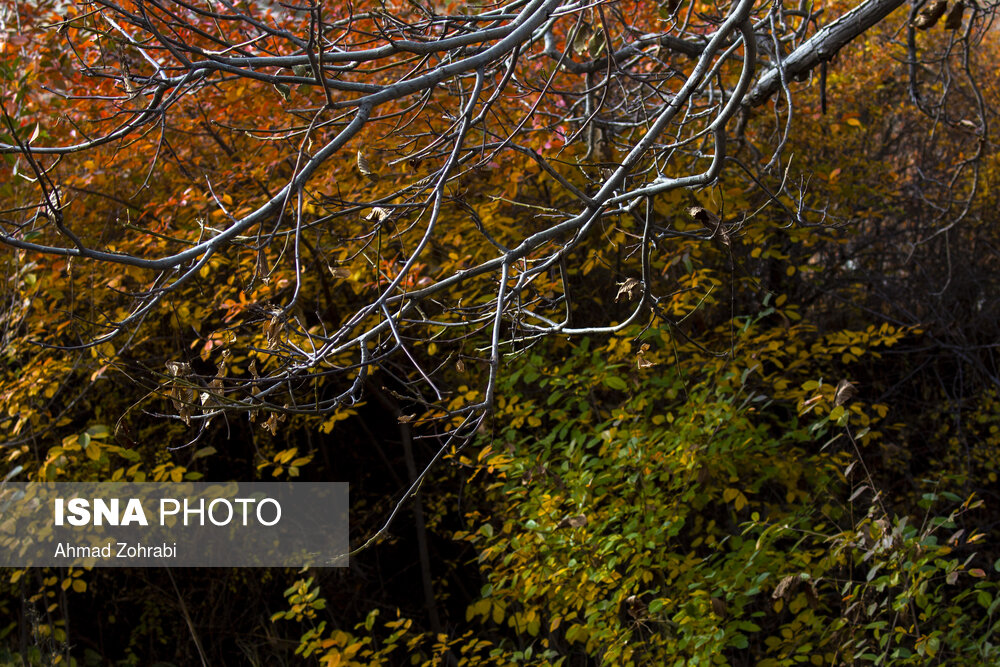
{"x":822,"y":46}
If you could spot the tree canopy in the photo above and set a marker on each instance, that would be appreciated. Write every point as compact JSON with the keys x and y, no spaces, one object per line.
{"x":689,"y":305}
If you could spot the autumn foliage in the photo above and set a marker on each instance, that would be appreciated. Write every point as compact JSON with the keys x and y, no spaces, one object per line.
{"x":667,"y":332}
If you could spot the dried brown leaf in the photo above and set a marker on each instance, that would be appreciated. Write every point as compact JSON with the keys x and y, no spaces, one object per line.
{"x":577,"y":521}
{"x":703,"y":215}
{"x":782,"y":589}
{"x":178,"y":368}
{"x":954,"y":19}
{"x":627,"y":287}
{"x":377,"y":215}
{"x":844,"y":393}
{"x":640,"y":357}
{"x":365,"y":167}
{"x":272,"y":330}
{"x":340,"y":272}
{"x":929,"y":15}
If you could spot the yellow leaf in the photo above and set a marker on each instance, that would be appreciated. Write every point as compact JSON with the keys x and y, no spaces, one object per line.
{"x":741,"y":501}
{"x":93,"y":451}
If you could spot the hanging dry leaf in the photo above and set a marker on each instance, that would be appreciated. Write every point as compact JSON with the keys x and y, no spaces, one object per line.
{"x":364,"y":167}
{"x":929,"y":15}
{"x":641,"y":359}
{"x":378,"y":214}
{"x":703,"y":215}
{"x":220,"y":370}
{"x":782,"y":589}
{"x":577,"y":521}
{"x":272,"y":330}
{"x":582,"y":38}
{"x":460,"y":366}
{"x":178,"y":368}
{"x":272,"y":422}
{"x":627,"y":287}
{"x":844,"y":393}
{"x":283,"y":90}
{"x":182,"y":394}
{"x":954,"y":19}
{"x":340,"y":272}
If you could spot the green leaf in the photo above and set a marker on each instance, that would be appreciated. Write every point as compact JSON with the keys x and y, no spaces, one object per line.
{"x":615,"y":382}
{"x":203,"y":452}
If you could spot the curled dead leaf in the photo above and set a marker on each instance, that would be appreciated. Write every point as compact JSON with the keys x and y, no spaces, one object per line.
{"x":283,"y":90}
{"x":272,"y":422}
{"x":782,"y":589}
{"x":628,"y":288}
{"x":178,"y":368}
{"x":954,"y":19}
{"x":340,"y":272}
{"x":844,"y":393}
{"x":365,"y":167}
{"x":640,"y":357}
{"x":577,"y":521}
{"x":703,"y":215}
{"x":272,"y":330}
{"x":377,"y":215}
{"x":929,"y":14}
